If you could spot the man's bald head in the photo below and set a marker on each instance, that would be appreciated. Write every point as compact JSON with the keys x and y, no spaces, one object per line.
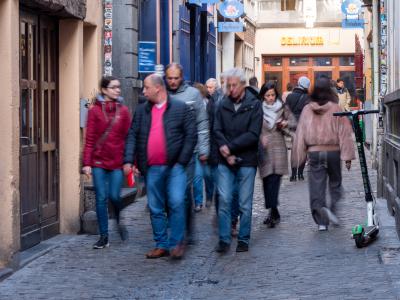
{"x":154,"y":88}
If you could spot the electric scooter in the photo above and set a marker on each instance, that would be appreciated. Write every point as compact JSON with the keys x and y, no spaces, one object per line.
{"x":363,"y":234}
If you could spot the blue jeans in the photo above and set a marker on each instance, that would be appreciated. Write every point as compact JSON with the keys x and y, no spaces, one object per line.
{"x":166,"y":186}
{"x":209,"y":175}
{"x":107,"y":185}
{"x":243,"y":178}
{"x":198,"y":182}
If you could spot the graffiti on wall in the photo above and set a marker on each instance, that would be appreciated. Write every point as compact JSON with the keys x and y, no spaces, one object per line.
{"x":383,"y":50}
{"x":108,"y":9}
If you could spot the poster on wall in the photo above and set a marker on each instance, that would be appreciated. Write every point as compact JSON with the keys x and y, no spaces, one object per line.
{"x":108,"y":10}
{"x":147,"y":57}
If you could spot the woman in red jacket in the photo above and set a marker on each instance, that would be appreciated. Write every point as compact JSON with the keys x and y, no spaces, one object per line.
{"x":107,"y":127}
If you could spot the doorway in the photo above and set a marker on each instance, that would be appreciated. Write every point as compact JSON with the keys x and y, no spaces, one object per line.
{"x":39,"y":174}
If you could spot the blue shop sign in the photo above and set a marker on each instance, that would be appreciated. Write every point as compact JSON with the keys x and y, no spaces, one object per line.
{"x":352,"y":23}
{"x":231,"y":9}
{"x":147,"y":57}
{"x":195,"y":2}
{"x":209,"y":2}
{"x":351,"y":7}
{"x":230,"y":27}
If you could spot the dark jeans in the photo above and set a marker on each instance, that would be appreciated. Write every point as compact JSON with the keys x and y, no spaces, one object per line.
{"x":323,"y":166}
{"x":209,"y":180}
{"x":271,"y":185}
{"x":107,"y":185}
{"x":190,"y":170}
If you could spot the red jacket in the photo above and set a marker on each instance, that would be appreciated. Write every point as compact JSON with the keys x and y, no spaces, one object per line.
{"x":106,"y":154}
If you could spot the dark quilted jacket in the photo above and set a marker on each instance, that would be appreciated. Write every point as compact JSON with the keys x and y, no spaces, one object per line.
{"x":180,"y":134}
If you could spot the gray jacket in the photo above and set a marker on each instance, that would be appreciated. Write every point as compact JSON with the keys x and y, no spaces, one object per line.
{"x":192,"y":96}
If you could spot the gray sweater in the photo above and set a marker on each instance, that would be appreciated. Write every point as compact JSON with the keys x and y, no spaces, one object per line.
{"x":192,"y":96}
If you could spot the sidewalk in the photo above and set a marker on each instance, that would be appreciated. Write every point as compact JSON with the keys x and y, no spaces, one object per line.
{"x":291,"y":261}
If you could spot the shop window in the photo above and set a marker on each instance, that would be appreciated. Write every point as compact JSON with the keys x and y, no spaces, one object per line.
{"x":298,"y":61}
{"x":294,"y":77}
{"x":319,"y":74}
{"x":346,"y":60}
{"x":273,"y":61}
{"x":322,"y":61}
{"x":276,"y":77}
{"x":394,"y":119}
{"x":349,"y":83}
{"x":288,"y":5}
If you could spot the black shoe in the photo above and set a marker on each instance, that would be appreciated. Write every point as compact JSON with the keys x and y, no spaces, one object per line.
{"x":123,"y":232}
{"x":301,"y":177}
{"x":293,"y":178}
{"x":222,"y":247}
{"x":101,"y":243}
{"x":276,"y":217}
{"x":242,"y":247}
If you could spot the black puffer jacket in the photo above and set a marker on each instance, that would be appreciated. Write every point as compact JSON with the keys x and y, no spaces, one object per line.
{"x":239,"y":130}
{"x":180,"y":134}
{"x":296,"y":101}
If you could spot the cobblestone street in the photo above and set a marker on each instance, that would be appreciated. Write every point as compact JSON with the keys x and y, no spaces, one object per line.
{"x":291,"y":261}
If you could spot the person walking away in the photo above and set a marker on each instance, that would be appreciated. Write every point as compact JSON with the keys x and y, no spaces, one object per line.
{"x":296,"y":102}
{"x":107,"y":126}
{"x":273,"y":161}
{"x":200,"y":166}
{"x":326,"y":140}
{"x":289,"y":89}
{"x":253,"y":85}
{"x":181,"y":91}
{"x":343,"y":95}
{"x":161,"y":140}
{"x":237,"y":129}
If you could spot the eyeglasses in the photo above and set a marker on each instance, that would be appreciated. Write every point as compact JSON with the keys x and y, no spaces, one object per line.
{"x":114,"y":87}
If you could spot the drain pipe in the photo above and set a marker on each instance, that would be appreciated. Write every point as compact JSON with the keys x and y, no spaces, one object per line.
{"x":375,"y":42}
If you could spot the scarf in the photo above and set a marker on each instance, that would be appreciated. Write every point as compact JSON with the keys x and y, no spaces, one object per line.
{"x":272,"y":113}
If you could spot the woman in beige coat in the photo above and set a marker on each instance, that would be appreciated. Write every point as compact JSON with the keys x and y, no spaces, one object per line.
{"x":273,"y":160}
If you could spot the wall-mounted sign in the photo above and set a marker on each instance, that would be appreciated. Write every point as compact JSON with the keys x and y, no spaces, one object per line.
{"x":195,"y":2}
{"x":302,"y":41}
{"x":231,"y":9}
{"x":230,"y":26}
{"x":209,"y":2}
{"x":351,"y":10}
{"x":147,"y":57}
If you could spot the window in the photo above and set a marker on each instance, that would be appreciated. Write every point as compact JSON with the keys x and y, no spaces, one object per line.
{"x":288,"y":5}
{"x":275,"y":76}
{"x":322,"y":61}
{"x":273,"y":61}
{"x":298,"y":61}
{"x":346,"y":60}
{"x":394,"y":119}
{"x":319,"y":74}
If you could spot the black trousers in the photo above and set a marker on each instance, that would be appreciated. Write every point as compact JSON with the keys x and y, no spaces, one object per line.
{"x":271,"y":185}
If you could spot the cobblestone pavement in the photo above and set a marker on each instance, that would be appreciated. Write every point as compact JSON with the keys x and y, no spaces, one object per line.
{"x":291,"y":261}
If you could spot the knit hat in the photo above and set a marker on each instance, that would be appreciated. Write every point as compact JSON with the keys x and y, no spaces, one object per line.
{"x":304,"y":82}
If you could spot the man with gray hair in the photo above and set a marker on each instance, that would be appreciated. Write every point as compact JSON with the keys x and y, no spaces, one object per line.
{"x":237,"y":130}
{"x":181,"y":91}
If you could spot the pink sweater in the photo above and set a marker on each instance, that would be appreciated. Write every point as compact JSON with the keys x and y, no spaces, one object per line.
{"x":157,"y":146}
{"x":319,"y":130}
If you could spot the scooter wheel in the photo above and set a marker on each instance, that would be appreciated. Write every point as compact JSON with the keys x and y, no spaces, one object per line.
{"x":359,"y":239}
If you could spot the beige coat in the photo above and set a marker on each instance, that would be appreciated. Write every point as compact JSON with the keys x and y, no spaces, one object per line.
{"x":344,"y":100}
{"x":273,"y":158}
{"x":318,"y":129}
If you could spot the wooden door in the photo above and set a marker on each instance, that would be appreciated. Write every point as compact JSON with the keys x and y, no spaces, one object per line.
{"x":39,"y":129}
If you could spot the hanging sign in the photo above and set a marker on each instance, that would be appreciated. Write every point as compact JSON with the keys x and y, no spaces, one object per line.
{"x":231,"y":9}
{"x":230,"y":26}
{"x":147,"y":57}
{"x":351,"y":10}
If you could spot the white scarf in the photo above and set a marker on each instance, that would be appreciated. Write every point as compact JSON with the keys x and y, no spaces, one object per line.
{"x":272,"y":113}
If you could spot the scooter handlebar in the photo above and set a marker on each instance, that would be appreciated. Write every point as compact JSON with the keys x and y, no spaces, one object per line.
{"x":356,"y":112}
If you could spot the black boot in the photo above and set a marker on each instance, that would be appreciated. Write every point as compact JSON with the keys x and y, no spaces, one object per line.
{"x":276,"y":217}
{"x":293,"y":177}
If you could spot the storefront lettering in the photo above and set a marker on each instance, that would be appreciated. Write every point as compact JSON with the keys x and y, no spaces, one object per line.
{"x":302,"y":41}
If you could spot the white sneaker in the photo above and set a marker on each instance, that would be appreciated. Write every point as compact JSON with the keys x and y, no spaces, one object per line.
{"x":331,"y":216}
{"x":322,"y":228}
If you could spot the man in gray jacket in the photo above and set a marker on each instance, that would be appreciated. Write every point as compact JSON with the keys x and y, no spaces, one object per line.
{"x":179,"y":90}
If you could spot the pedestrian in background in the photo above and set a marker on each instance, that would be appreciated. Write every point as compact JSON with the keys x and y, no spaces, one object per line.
{"x":343,"y":95}
{"x":107,"y":126}
{"x":289,"y":89}
{"x":273,"y":160}
{"x":296,"y":102}
{"x":198,"y":186}
{"x":161,"y":140}
{"x":253,"y":85}
{"x":237,"y":130}
{"x":181,"y":91}
{"x":326,"y":140}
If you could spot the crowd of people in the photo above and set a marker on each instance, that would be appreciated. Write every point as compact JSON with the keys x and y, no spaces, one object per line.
{"x":185,"y":140}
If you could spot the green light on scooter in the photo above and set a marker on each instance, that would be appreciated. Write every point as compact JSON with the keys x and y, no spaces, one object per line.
{"x":357,"y":229}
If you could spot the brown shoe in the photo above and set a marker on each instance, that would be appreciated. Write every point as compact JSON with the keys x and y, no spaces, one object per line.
{"x":178,"y":252}
{"x":157,"y":253}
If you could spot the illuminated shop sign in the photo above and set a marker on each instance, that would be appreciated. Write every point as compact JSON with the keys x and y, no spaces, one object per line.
{"x":302,"y":41}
